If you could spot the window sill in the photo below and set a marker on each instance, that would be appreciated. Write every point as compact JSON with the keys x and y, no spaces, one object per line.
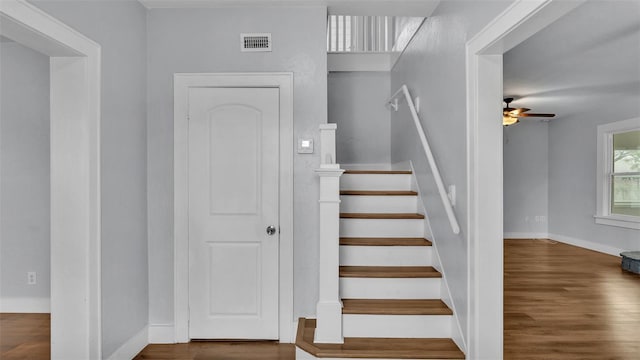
{"x":629,"y":222}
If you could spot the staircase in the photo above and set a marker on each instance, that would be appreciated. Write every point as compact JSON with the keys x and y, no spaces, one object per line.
{"x":392,"y":307}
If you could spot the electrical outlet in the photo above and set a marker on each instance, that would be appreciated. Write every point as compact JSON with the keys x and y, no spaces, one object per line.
{"x":31,"y":278}
{"x":541,"y":218}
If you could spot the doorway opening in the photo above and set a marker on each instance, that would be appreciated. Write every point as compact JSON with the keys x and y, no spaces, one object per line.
{"x":485,"y":164}
{"x":75,"y":175}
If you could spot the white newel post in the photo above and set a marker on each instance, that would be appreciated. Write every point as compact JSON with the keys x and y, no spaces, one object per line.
{"x":329,"y":308}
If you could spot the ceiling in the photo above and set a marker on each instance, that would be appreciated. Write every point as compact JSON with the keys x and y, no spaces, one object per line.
{"x":589,"y":57}
{"x":421,"y":8}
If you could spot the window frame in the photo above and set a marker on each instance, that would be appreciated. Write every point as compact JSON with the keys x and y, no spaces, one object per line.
{"x":605,"y":171}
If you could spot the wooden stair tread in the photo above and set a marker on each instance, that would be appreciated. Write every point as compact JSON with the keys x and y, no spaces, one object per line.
{"x":389,"y":272}
{"x":379,"y":192}
{"x":381,"y":216}
{"x":376,"y":348}
{"x":395,"y":307}
{"x":378,"y":172}
{"x":346,"y":241}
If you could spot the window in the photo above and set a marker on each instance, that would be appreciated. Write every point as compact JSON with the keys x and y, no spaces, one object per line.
{"x":619,"y":174}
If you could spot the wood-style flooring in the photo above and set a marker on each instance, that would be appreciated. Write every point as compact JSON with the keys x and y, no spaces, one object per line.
{"x":560,"y":302}
{"x":565,"y":302}
{"x":220,"y":350}
{"x":25,"y":336}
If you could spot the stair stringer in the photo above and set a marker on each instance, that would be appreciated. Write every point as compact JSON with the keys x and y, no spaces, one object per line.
{"x":445,"y":292}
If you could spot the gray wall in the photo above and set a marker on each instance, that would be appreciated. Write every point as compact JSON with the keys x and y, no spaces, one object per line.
{"x":608,"y":91}
{"x":24,"y":172}
{"x":357,"y":105}
{"x":207,"y":40}
{"x":572,"y":175}
{"x":526,"y":178}
{"x":120,"y":28}
{"x":588,"y":75}
{"x":433,"y":67}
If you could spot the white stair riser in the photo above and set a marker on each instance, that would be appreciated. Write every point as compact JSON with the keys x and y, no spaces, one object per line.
{"x":397,"y":326}
{"x":375,"y":182}
{"x":381,"y":228}
{"x":385,"y":255}
{"x":390,"y":288}
{"x":378,"y":204}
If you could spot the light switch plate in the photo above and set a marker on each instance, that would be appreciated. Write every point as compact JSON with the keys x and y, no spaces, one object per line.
{"x":305,"y":146}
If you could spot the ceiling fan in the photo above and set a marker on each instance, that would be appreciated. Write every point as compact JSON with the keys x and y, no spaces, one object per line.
{"x":512,"y":116}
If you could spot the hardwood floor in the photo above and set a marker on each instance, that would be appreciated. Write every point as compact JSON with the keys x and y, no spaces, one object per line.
{"x":564,"y":302}
{"x":220,"y":350}
{"x":375,"y":348}
{"x":25,"y":336}
{"x":560,"y":302}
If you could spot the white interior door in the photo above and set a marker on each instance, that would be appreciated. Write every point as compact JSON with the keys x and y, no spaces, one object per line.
{"x":233,"y":199}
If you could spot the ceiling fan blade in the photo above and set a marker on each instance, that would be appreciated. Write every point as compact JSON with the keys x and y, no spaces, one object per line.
{"x":535,"y":115}
{"x":516,"y":112}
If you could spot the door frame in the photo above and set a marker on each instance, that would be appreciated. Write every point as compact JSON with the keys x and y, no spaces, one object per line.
{"x":75,"y":70}
{"x":182,"y":83}
{"x":484,"y":53}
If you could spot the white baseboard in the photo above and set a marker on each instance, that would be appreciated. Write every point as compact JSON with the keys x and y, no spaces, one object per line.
{"x":25,"y":305}
{"x":162,"y":334}
{"x":587,"y":244}
{"x":525,"y":235}
{"x":132,"y":347}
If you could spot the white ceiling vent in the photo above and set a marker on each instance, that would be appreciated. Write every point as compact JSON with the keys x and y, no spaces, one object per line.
{"x":255,"y":42}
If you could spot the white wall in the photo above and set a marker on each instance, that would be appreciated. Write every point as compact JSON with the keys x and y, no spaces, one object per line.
{"x":433,"y":67}
{"x":207,"y":40}
{"x":120,"y":28}
{"x":24,"y":179}
{"x":526,"y":178}
{"x":357,"y":104}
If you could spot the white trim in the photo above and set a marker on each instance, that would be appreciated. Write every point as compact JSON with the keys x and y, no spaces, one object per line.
{"x":334,"y":7}
{"x":603,"y":214}
{"x":162,"y":334}
{"x":520,"y":20}
{"x":132,"y":347}
{"x":75,"y":177}
{"x":182,"y":82}
{"x":25,"y":305}
{"x":586,"y":244}
{"x":629,"y":222}
{"x":525,"y":235}
{"x":457,"y":334}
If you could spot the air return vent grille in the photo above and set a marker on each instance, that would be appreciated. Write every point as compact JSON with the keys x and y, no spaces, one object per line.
{"x":255,"y":42}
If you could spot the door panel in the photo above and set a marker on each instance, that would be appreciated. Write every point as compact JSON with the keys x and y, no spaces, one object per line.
{"x":233,"y":197}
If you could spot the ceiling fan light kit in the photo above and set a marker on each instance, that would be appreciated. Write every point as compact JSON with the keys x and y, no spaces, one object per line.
{"x":512,"y":116}
{"x":509,"y":120}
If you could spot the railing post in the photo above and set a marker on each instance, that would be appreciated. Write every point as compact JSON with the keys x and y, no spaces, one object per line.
{"x":329,"y":307}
